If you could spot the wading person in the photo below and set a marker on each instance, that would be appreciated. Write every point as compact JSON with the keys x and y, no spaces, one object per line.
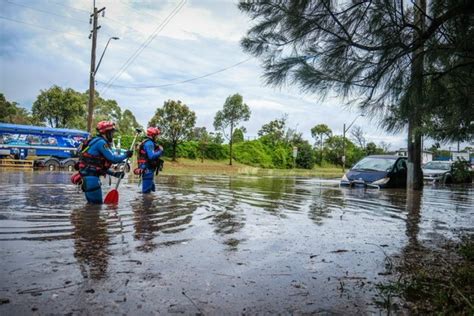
{"x":149,"y":161}
{"x":95,"y":159}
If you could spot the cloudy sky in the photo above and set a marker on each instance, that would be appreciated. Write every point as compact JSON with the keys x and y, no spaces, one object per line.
{"x":162,"y":43}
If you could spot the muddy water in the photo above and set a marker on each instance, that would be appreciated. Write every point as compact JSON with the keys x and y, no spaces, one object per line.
{"x":210,"y":245}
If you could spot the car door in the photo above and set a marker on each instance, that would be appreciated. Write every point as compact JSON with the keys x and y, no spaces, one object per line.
{"x":400,"y":173}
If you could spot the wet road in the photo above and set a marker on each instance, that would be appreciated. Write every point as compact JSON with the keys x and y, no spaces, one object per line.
{"x":211,"y":245}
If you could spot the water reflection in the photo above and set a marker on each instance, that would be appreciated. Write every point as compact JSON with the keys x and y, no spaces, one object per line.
{"x":323,"y":203}
{"x":145,"y":228}
{"x":229,"y":218}
{"x":413,"y":208}
{"x":154,"y":216}
{"x":91,"y":241}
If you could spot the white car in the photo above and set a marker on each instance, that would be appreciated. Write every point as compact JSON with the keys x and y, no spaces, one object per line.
{"x":438,"y":171}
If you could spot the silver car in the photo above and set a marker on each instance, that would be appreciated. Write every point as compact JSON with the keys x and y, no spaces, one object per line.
{"x":438,"y":171}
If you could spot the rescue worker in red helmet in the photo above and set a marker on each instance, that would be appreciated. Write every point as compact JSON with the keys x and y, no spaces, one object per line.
{"x":95,"y":159}
{"x":149,"y":153}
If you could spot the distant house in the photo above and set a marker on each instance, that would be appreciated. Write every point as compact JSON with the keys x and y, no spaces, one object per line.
{"x":427,"y":156}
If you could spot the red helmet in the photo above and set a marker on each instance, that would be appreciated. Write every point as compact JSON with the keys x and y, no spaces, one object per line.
{"x":153,"y":131}
{"x":104,"y":126}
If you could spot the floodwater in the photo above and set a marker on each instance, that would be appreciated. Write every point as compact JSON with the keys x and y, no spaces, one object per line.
{"x":211,"y":245}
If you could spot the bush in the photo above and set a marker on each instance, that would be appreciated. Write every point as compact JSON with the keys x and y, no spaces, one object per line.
{"x":189,"y":149}
{"x":461,"y":173}
{"x":305,"y":158}
{"x":252,"y":153}
{"x":281,"y":156}
{"x":215,"y":151}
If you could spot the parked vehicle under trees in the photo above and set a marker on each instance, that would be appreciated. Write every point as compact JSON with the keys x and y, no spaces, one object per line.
{"x":393,"y":54}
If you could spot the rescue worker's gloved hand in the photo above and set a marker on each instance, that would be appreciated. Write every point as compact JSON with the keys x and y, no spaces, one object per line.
{"x":129,"y":153}
{"x":118,"y":174}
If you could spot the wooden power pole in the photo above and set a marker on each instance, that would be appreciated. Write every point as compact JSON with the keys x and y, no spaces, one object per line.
{"x":95,"y":28}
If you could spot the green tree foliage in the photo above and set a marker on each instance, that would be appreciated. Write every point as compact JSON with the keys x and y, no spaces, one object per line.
{"x":198,"y":133}
{"x":176,"y":121}
{"x":59,"y":107}
{"x":10,"y":112}
{"x":238,"y":135}
{"x":305,"y":158}
{"x":253,"y":153}
{"x":203,"y":138}
{"x":215,"y":151}
{"x":372,"y":149}
{"x":234,"y":112}
{"x":7,"y":109}
{"x":334,"y":151}
{"x":217,"y":138}
{"x":319,"y":132}
{"x":109,"y":110}
{"x":461,"y":172}
{"x":274,"y":131}
{"x":128,"y":123}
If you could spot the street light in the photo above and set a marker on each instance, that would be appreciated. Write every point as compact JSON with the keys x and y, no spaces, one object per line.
{"x":344,"y":130}
{"x":102,"y":56}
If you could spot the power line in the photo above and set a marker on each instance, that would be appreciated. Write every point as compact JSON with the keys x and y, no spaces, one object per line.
{"x":138,"y":11}
{"x":179,"y":82}
{"x":66,"y":6}
{"x":106,"y":17}
{"x":41,"y":27}
{"x":44,"y":11}
{"x":152,"y":36}
{"x":144,"y":45}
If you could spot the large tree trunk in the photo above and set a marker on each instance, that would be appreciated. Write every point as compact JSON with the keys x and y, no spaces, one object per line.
{"x":414,"y":172}
{"x":230,"y":143}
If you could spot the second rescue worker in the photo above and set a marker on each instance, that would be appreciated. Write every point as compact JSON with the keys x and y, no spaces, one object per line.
{"x":149,"y":153}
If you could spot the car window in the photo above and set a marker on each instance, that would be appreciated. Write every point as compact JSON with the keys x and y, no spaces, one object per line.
{"x":401,"y":164}
{"x":375,"y":164}
{"x":437,"y":165}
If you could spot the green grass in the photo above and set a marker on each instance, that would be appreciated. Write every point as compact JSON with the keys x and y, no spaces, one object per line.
{"x":435,"y":283}
{"x":212,"y":167}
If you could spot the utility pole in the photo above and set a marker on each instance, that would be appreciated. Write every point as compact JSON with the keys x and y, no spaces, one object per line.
{"x":94,"y":30}
{"x":344,"y":130}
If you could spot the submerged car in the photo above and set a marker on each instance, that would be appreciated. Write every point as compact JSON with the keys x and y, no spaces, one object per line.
{"x":378,"y":171}
{"x":438,"y":171}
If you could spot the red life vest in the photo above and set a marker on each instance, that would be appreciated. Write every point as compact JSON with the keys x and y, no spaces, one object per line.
{"x":143,"y":157}
{"x":88,"y":162}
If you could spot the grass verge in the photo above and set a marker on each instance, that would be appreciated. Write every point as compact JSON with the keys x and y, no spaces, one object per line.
{"x":212,"y":167}
{"x":433,"y":282}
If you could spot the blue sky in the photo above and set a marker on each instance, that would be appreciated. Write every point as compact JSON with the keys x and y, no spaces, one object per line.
{"x":45,"y":42}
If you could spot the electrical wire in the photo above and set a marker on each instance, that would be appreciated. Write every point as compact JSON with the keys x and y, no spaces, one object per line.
{"x":176,"y":83}
{"x":41,"y":27}
{"x":144,"y":45}
{"x":137,"y":52}
{"x":44,"y":11}
{"x":88,"y":13}
{"x":138,"y":11}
